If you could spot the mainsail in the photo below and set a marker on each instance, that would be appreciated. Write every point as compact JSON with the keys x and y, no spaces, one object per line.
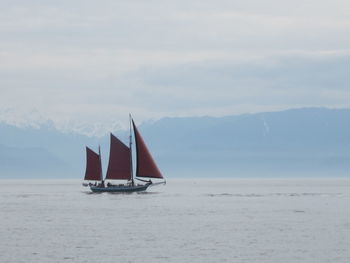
{"x":119,"y":166}
{"x":93,"y":166}
{"x":145,"y":167}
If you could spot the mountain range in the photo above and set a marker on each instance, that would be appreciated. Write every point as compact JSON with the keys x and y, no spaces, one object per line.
{"x":290,"y":143}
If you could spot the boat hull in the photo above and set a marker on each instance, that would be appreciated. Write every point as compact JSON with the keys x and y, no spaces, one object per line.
{"x":122,"y":189}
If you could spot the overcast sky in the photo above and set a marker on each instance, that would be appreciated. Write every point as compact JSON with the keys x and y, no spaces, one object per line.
{"x":81,"y":62}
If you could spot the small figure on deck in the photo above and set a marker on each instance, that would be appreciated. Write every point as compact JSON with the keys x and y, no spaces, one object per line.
{"x":150,"y":181}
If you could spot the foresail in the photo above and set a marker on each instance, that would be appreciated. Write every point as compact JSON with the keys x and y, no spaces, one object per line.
{"x":145,"y":166}
{"x":93,"y":170}
{"x":119,"y":160}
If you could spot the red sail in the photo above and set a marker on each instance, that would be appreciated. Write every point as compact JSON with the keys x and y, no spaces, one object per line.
{"x":146,"y":167}
{"x":119,"y":160}
{"x":93,"y":166}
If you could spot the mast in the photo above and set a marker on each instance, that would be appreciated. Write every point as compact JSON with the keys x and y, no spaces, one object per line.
{"x":101,"y":174}
{"x":130,"y":144}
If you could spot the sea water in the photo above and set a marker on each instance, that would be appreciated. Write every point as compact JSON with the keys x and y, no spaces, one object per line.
{"x":192,"y":220}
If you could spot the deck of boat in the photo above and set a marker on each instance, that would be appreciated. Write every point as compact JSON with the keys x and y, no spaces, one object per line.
{"x":120,"y":188}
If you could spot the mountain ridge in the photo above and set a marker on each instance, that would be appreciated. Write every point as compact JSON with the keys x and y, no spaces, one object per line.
{"x":295,"y":142}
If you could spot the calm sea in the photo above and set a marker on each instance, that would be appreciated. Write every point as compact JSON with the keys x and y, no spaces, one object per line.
{"x":194,"y":220}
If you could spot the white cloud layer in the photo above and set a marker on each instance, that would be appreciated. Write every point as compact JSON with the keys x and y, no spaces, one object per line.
{"x":86,"y":64}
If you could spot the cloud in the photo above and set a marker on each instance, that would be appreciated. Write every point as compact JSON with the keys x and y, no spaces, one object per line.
{"x":87,"y":62}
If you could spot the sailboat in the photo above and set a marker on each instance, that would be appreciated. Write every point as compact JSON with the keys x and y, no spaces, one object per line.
{"x":120,"y":166}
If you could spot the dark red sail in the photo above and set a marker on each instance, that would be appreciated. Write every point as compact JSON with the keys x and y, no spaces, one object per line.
{"x":119,"y":160}
{"x":146,"y":167}
{"x":93,"y":166}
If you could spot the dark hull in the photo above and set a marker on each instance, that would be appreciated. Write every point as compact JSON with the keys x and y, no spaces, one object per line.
{"x":124,"y":189}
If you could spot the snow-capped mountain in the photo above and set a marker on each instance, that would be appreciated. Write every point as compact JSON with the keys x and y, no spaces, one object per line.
{"x":296,"y":142}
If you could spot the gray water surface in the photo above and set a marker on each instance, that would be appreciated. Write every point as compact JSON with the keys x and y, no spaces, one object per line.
{"x":194,"y":220}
